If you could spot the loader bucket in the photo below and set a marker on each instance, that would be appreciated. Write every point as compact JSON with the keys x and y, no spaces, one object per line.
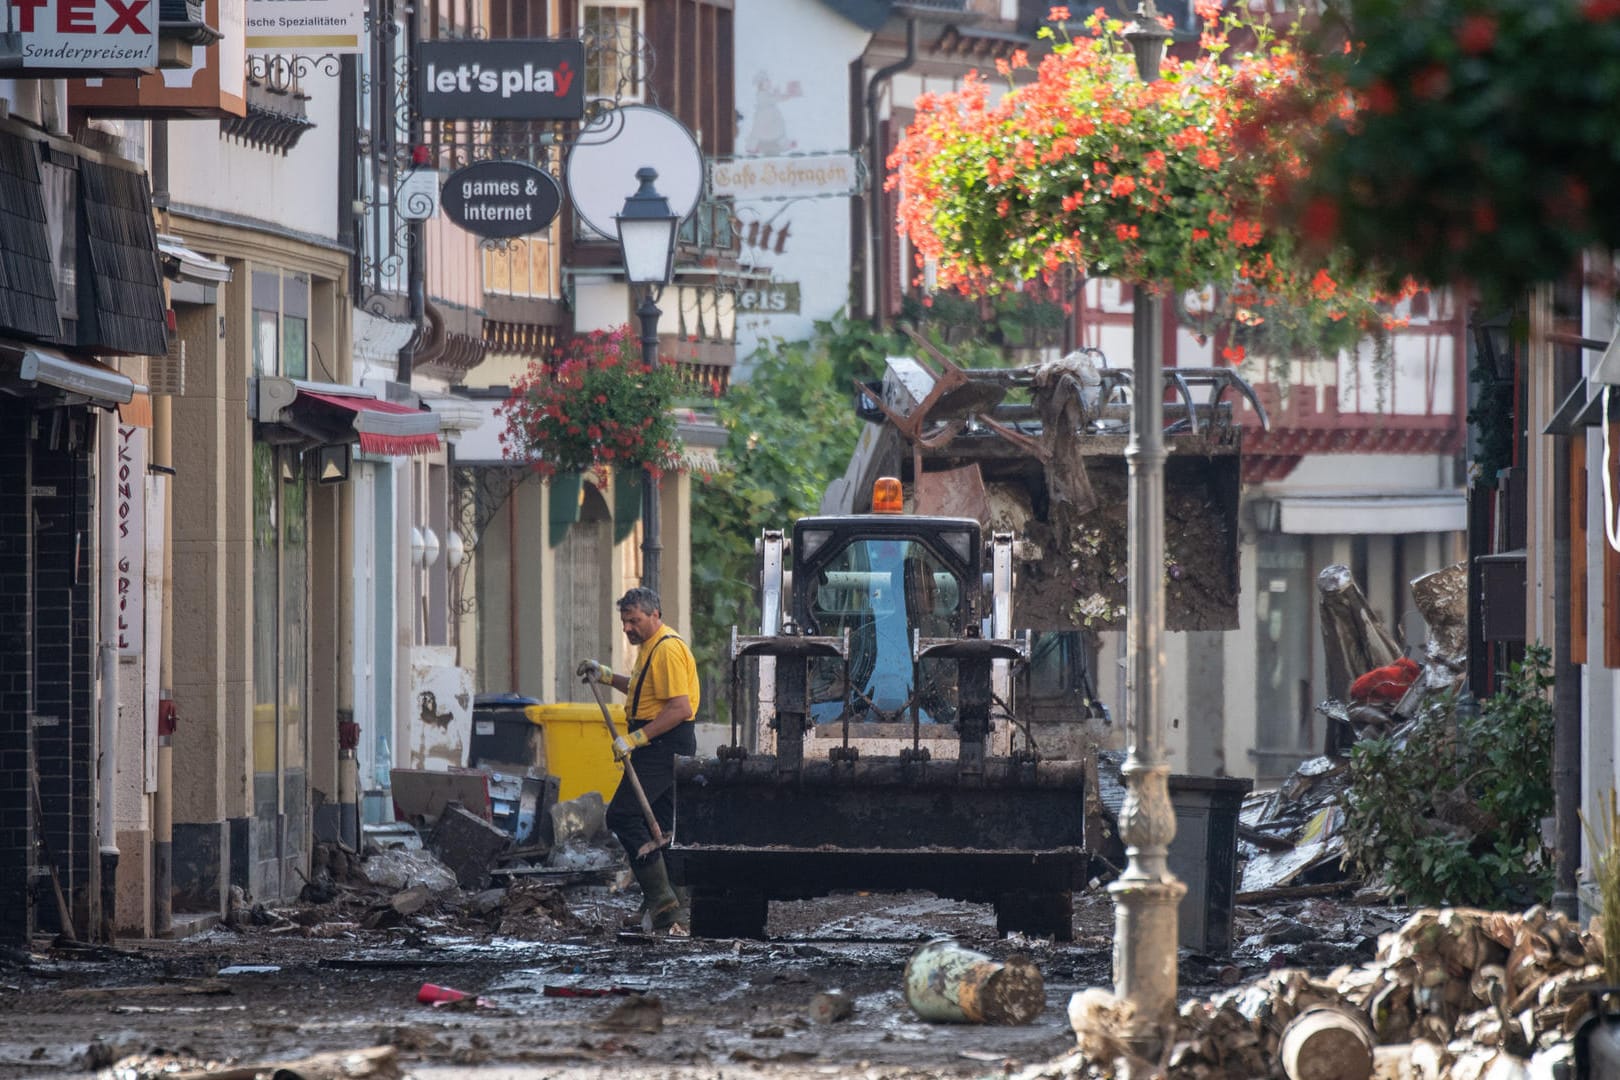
{"x":746,"y":835}
{"x":1074,"y":576}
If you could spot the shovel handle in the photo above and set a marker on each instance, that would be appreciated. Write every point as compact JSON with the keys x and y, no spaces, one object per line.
{"x":658,"y":838}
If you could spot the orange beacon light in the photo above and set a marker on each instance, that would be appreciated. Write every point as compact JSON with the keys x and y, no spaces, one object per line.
{"x":887,"y":498}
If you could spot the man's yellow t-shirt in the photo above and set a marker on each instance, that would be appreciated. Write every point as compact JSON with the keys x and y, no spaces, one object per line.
{"x":673,"y":673}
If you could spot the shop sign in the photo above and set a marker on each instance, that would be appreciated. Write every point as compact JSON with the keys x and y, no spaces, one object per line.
{"x":536,"y":79}
{"x":305,"y":27}
{"x":130,"y":542}
{"x":214,"y":86}
{"x":86,"y":34}
{"x":791,"y":176}
{"x":777,"y":298}
{"x":501,"y":199}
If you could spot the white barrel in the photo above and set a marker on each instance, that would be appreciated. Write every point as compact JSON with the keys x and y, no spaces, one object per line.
{"x":947,"y":983}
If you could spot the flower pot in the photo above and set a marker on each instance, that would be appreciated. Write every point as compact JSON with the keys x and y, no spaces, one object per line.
{"x":563,"y":502}
{"x":626,"y":501}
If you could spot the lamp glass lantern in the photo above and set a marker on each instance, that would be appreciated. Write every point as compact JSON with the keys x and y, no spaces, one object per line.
{"x":647,"y":228}
{"x":1493,"y":340}
{"x":1146,"y":37}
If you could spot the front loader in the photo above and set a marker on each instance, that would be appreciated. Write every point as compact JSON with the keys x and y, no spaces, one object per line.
{"x":886,"y":733}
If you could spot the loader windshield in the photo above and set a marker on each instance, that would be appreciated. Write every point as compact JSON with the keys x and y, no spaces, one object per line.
{"x":881,"y":591}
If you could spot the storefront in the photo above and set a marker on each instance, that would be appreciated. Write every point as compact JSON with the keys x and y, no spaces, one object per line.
{"x":260,"y":509}
{"x":80,"y":285}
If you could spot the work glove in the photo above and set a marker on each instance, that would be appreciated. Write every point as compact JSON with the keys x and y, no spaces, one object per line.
{"x":624,"y":744}
{"x":589,"y":670}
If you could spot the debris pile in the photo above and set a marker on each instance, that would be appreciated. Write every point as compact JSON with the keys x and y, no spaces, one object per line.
{"x":1289,"y":836}
{"x":1289,"y":839}
{"x":405,"y":886}
{"x":1454,"y":994}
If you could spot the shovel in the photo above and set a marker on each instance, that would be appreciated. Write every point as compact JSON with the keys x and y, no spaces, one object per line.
{"x":658,"y":840}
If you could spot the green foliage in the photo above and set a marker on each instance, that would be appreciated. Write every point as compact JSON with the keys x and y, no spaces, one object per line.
{"x":1605,"y":848}
{"x":1449,"y":808}
{"x":855,"y":350}
{"x":1025,"y":319}
{"x":790,"y":431}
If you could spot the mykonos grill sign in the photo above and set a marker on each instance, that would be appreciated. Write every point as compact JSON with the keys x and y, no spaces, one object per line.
{"x":501,"y":199}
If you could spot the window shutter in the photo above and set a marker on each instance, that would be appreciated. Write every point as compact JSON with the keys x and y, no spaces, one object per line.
{"x":167,"y":374}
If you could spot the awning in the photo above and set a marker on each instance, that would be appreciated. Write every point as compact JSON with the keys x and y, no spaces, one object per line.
{"x":295,"y":410}
{"x":384,"y":427}
{"x":456,"y":414}
{"x":83,"y":380}
{"x":183,"y":264}
{"x":1373,"y":513}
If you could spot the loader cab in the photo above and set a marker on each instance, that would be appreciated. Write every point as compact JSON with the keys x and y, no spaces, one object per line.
{"x":885,"y":580}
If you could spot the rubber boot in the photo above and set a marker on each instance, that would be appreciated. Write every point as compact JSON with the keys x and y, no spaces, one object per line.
{"x":663,"y":907}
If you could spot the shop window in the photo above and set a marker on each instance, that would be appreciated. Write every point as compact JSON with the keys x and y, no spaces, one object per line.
{"x":613,"y":43}
{"x":59,"y":185}
{"x":280,"y":615}
{"x":1284,"y":629}
{"x":281,"y":324}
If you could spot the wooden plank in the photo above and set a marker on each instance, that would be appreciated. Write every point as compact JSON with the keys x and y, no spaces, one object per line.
{"x":1611,"y":573}
{"x":1577,"y":548}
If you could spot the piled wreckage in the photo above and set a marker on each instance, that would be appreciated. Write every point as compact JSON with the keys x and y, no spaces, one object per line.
{"x":1289,"y":837}
{"x":1455,"y":994}
{"x":461,"y":871}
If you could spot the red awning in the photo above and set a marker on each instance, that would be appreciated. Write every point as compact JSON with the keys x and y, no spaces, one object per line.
{"x":385,"y":427}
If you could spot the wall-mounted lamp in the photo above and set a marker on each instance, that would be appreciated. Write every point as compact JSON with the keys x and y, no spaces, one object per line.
{"x":430,"y":547}
{"x":454,"y":550}
{"x":1493,"y":342}
{"x":332,"y":463}
{"x":1266,"y":514}
{"x":418,"y":546}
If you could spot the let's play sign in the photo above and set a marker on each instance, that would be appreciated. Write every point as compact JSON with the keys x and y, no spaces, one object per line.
{"x":540,"y":79}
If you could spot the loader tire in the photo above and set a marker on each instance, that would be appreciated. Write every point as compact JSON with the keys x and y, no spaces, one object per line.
{"x":1038,"y":914}
{"x":728,"y":914}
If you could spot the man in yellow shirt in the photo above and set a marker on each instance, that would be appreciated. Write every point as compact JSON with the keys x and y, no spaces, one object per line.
{"x":663,"y":691}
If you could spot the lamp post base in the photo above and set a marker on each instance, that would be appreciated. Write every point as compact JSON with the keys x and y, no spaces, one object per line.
{"x":1145,"y":950}
{"x":1147,"y":901}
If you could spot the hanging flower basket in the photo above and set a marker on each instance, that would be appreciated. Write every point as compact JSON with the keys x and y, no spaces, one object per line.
{"x":1168,"y":184}
{"x":594,"y":405}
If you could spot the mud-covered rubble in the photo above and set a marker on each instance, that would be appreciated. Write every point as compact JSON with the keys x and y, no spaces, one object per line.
{"x":526,"y":909}
{"x":402,"y":883}
{"x":1454,"y":994}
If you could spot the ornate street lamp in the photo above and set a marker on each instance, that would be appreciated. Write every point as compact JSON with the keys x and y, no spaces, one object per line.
{"x":647,"y":245}
{"x":1146,"y":894}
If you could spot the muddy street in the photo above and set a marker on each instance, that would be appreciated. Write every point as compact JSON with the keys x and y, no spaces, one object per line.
{"x":576,"y":996}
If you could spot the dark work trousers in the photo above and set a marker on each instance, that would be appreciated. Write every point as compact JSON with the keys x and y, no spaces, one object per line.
{"x":655,"y":768}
